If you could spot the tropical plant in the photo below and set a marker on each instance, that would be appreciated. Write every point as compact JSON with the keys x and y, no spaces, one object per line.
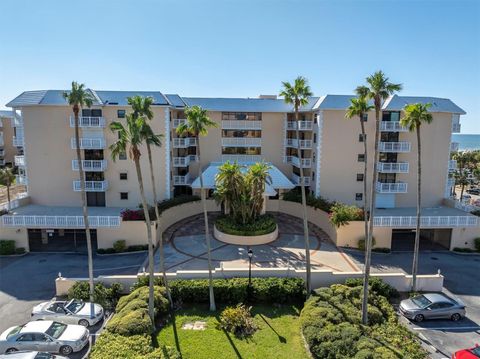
{"x":415,"y":115}
{"x":379,"y":89}
{"x":341,"y":214}
{"x":196,"y":125}
{"x":7,"y":178}
{"x":130,"y":138}
{"x":297,"y":94}
{"x":79,"y":97}
{"x":466,"y":164}
{"x":238,"y":321}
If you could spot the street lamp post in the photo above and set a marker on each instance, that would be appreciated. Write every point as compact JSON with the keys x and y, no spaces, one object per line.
{"x":250,"y":255}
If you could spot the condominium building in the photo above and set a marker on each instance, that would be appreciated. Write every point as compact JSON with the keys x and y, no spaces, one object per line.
{"x":8,"y":149}
{"x":248,"y":130}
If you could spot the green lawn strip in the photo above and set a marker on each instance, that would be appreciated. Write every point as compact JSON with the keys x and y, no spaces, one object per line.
{"x":278,"y":335}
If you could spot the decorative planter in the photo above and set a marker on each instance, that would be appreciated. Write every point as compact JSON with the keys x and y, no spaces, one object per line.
{"x":245,"y":240}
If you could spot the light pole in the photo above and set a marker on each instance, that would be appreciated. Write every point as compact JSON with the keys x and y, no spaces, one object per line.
{"x":250,"y":255}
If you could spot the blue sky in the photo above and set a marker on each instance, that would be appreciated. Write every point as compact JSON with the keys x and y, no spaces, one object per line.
{"x":243,"y":48}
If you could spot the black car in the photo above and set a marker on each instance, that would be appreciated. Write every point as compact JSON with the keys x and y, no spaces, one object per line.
{"x":474,"y":191}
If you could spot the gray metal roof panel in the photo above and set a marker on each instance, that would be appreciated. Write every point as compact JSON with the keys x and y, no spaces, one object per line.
{"x":120,"y":97}
{"x":27,"y":98}
{"x":397,"y":103}
{"x":175,"y":100}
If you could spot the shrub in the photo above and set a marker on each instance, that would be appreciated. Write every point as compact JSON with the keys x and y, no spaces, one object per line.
{"x":160,"y":302}
{"x":142,"y":281}
{"x":476,"y":243}
{"x":238,"y":320}
{"x":20,"y":250}
{"x":7,"y":247}
{"x":137,"y":248}
{"x":376,"y":284}
{"x":381,"y":250}
{"x":120,"y":246}
{"x":361,"y":243}
{"x":107,"y":297}
{"x":3,"y":212}
{"x":176,"y":201}
{"x":476,"y":212}
{"x":341,"y":214}
{"x":464,"y":250}
{"x":263,"y":225}
{"x":295,"y":195}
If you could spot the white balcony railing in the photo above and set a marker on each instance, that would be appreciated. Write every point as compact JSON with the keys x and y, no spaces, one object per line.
{"x":18,"y":141}
{"x":304,"y":125}
{"x":182,"y":180}
{"x":92,"y":143}
{"x":21,"y":179}
{"x":452,"y":165}
{"x":242,"y":158}
{"x":466,"y":207}
{"x":393,"y":167}
{"x":90,"y":165}
{"x":241,"y":142}
{"x":20,"y":161}
{"x":397,"y":187}
{"x":306,"y":162}
{"x":293,"y":142}
{"x":87,"y":121}
{"x":392,"y":126}
{"x":426,"y":222}
{"x":394,"y":146}
{"x":183,"y":161}
{"x":184,"y":142}
{"x":241,"y":125}
{"x":454,"y":146}
{"x":59,"y":221}
{"x":91,"y":186}
{"x":296,"y":180}
{"x":178,"y":121}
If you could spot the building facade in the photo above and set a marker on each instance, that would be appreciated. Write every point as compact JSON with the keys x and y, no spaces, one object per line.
{"x":8,"y":150}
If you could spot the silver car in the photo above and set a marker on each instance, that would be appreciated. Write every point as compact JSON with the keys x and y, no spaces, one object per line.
{"x":45,"y":335}
{"x":432,"y":306}
{"x":31,"y":355}
{"x":71,"y":312}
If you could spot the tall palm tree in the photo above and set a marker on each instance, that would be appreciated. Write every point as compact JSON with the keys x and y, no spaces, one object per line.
{"x":415,"y":115}
{"x":297,"y":94}
{"x":130,"y":138}
{"x":196,"y":125}
{"x":358,"y":108}
{"x":79,"y":97}
{"x":379,"y":89}
{"x":141,"y":106}
{"x":465,"y":164}
{"x":7,"y":178}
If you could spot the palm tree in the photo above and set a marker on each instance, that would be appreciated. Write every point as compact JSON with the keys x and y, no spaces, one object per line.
{"x":465,"y":164}
{"x":297,"y":95}
{"x":358,"y":108}
{"x":415,"y":115}
{"x":130,"y":138}
{"x":196,"y":125}
{"x":257,"y":177}
{"x":379,"y":89}
{"x":7,"y":178}
{"x":79,"y":97}
{"x":141,"y":106}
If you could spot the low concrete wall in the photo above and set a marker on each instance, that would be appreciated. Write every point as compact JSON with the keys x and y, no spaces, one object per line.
{"x":133,"y":232}
{"x":348,"y":236}
{"x":245,"y":240}
{"x":19,"y":235}
{"x":464,"y":237}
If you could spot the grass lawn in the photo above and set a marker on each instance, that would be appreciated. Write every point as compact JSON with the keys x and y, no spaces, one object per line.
{"x":278,"y":335}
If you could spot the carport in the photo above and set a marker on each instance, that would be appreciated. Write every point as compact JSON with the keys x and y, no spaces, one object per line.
{"x":431,"y":239}
{"x":60,"y":240}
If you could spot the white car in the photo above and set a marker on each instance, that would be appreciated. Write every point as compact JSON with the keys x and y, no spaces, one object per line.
{"x":71,"y":312}
{"x":45,"y":335}
{"x":31,"y":355}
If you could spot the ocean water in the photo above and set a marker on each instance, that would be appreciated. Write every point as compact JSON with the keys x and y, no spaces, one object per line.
{"x":467,"y":142}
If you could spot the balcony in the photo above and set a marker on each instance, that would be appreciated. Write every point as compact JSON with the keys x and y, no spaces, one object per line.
{"x":90,"y":165}
{"x":183,"y":161}
{"x":293,"y":142}
{"x":452,"y":165}
{"x":242,"y":158}
{"x":398,"y":187}
{"x":21,"y":179}
{"x":184,"y":142}
{"x":241,"y":142}
{"x":18,"y":141}
{"x":88,"y":122}
{"x":59,"y":221}
{"x":393,"y":167}
{"x":456,"y":127}
{"x":89,"y":143}
{"x":91,"y":186}
{"x":241,"y":125}
{"x":2,"y":162}
{"x":296,"y":180}
{"x":394,"y":147}
{"x":178,"y":121}
{"x":306,"y":162}
{"x":454,"y":146}
{"x":2,"y":142}
{"x":182,"y":180}
{"x":303,"y":125}
{"x":392,"y":126}
{"x":425,"y":221}
{"x":20,"y":161}
{"x":2,"y":152}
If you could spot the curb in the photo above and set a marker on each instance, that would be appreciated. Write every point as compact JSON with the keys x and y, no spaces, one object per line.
{"x":120,"y":254}
{"x":13,"y":255}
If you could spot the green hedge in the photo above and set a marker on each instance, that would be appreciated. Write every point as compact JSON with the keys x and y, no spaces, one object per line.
{"x":107,"y":297}
{"x":263,"y":225}
{"x":7,"y":247}
{"x":377,"y":285}
{"x":121,"y":248}
{"x":361,"y":243}
{"x":476,"y":243}
{"x":295,"y":195}
{"x":176,"y":201}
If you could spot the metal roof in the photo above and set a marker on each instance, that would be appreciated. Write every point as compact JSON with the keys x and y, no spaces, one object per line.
{"x":245,"y":104}
{"x":6,"y":114}
{"x":120,"y":97}
{"x":175,"y":100}
{"x":397,"y":103}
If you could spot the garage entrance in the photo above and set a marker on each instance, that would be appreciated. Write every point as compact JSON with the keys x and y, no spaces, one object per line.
{"x":60,"y":240}
{"x":435,"y":239}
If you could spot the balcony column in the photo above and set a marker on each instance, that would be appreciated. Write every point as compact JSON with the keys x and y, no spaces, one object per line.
{"x":168,"y":186}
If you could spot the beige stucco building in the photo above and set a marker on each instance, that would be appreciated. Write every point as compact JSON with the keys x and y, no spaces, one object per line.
{"x":7,"y":133}
{"x":248,"y":130}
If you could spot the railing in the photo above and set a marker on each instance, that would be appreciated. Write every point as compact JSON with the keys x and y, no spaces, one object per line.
{"x":14,"y":203}
{"x":296,"y":180}
{"x":306,"y":162}
{"x":91,"y":186}
{"x":89,"y":143}
{"x":456,"y":127}
{"x":181,"y":180}
{"x":242,"y":158}
{"x":392,"y":126}
{"x":394,"y":147}
{"x":454,"y":146}
{"x":293,"y":142}
{"x":2,"y":152}
{"x":397,"y":187}
{"x":466,"y":207}
{"x":18,"y":141}
{"x":241,"y":125}
{"x":184,"y":142}
{"x":183,"y":161}
{"x":20,"y":161}
{"x":426,"y":221}
{"x":241,"y":142}
{"x":21,"y":179}
{"x":178,"y":121}
{"x":87,"y":121}
{"x":393,"y":167}
{"x":452,"y":165}
{"x":90,"y":165}
{"x":59,"y":221}
{"x":304,"y":125}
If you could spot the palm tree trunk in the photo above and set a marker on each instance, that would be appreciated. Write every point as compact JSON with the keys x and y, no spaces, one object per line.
{"x":157,"y":213}
{"x":365,"y":166}
{"x":207,"y":232}
{"x":84,"y":209}
{"x":419,"y":208}
{"x":8,"y":196}
{"x":151,"y":307}
{"x":308,"y":282}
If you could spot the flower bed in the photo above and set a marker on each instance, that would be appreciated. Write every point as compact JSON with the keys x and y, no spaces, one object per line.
{"x":263,"y":225}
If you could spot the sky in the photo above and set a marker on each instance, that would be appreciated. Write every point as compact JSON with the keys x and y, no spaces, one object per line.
{"x":243,"y":48}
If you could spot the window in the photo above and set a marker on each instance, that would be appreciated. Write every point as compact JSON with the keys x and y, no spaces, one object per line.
{"x":358,"y":196}
{"x":361,"y":137}
{"x":361,"y":157}
{"x":123,"y":176}
{"x":314,"y":138}
{"x":121,"y":113}
{"x":365,"y":117}
{"x":241,"y":116}
{"x":122,"y":156}
{"x":359,"y":177}
{"x":123,"y":195}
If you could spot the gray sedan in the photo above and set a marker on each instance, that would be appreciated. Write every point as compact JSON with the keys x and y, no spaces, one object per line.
{"x":31,"y":355}
{"x":432,"y":306}
{"x":72,"y":312}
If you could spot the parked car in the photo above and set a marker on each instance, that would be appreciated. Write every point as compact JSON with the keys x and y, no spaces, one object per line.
{"x":31,"y":355}
{"x":432,"y":306}
{"x":71,"y":312}
{"x":474,"y":191}
{"x":472,"y":353}
{"x":44,"y":335}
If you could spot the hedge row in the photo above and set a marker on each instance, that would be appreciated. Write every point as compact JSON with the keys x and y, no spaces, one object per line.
{"x":139,"y":215}
{"x":7,"y":247}
{"x":107,"y":297}
{"x":120,"y":246}
{"x":263,"y":225}
{"x":321,"y":203}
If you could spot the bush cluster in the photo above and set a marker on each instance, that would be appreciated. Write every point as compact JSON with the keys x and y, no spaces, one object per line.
{"x":139,"y":215}
{"x":176,"y":201}
{"x":476,"y":243}
{"x":107,"y":297}
{"x":476,"y":212}
{"x":121,"y":247}
{"x":7,"y":247}
{"x":331,"y":324}
{"x":361,"y":243}
{"x":375,"y":284}
{"x":131,"y":314}
{"x":341,"y":214}
{"x":321,"y":203}
{"x":263,"y":225}
{"x":238,"y":321}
